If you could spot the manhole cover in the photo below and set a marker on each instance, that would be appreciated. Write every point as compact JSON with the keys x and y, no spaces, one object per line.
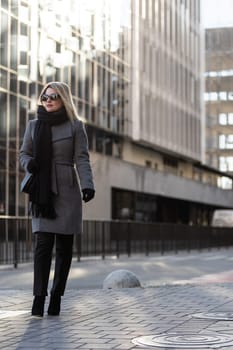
{"x":185,"y":341}
{"x":221,"y":316}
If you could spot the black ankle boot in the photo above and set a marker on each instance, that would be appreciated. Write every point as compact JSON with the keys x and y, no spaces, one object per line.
{"x":38,"y":306}
{"x":54,"y":305}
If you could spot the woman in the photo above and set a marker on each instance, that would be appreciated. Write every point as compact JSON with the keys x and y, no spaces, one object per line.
{"x":54,"y":145}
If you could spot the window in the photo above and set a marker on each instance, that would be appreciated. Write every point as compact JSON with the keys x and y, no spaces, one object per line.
{"x":222,"y":95}
{"x":148,"y":163}
{"x":2,"y":192}
{"x":222,"y":141}
{"x":226,"y":141}
{"x":210,"y":96}
{"x":226,"y":163}
{"x":13,"y":82}
{"x":230,"y":118}
{"x":226,"y":73}
{"x":225,"y":183}
{"x":3,"y":78}
{"x":225,"y":119}
{"x":129,"y":205}
{"x":222,"y":118}
{"x":230,"y":96}
{"x":170,"y":165}
{"x":213,"y":74}
{"x":4,"y":39}
{"x":213,"y":96}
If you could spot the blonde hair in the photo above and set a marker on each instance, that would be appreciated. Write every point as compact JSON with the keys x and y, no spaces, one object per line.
{"x":63,"y":90}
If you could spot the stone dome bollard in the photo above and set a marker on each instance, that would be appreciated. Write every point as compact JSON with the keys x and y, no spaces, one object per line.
{"x":121,"y":279}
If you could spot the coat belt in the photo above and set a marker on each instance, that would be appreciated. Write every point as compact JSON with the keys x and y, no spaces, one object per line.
{"x":54,"y":177}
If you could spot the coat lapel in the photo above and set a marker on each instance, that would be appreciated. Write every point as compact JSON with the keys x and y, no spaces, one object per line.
{"x":62,"y":131}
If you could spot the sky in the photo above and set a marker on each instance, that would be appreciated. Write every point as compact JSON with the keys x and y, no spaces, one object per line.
{"x":217,"y":13}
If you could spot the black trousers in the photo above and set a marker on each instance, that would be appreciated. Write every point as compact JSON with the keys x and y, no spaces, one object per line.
{"x":43,"y":258}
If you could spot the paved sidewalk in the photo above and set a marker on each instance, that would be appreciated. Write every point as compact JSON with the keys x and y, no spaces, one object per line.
{"x":172,"y":316}
{"x":100,"y":319}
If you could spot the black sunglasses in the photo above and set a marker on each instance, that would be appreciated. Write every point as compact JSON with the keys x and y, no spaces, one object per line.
{"x":53,"y":97}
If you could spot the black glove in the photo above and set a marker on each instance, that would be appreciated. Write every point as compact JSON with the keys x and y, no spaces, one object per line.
{"x":32,"y":166}
{"x":88,"y":194}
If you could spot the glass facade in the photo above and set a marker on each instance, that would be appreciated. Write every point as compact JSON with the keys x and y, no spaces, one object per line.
{"x":167,"y":77}
{"x":84,"y":43}
{"x":135,"y":71}
{"x":218,"y":101}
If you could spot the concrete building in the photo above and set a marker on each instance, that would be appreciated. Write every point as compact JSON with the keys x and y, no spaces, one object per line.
{"x":219,"y":100}
{"x":135,"y":69}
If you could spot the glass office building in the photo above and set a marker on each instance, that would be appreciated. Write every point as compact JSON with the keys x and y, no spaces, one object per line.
{"x":84,"y":43}
{"x":135,"y":71}
{"x":219,"y":100}
{"x":167,"y":42}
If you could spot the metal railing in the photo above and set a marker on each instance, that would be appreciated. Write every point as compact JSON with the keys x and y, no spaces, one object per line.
{"x":121,"y":237}
{"x":16,"y":240}
{"x":102,"y":238}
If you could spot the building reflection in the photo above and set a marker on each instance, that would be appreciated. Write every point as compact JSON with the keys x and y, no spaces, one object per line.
{"x":86,"y":44}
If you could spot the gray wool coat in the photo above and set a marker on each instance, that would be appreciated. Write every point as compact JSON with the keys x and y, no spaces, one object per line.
{"x":71,"y":171}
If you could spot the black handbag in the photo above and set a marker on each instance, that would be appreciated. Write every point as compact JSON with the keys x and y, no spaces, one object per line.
{"x":27,"y":183}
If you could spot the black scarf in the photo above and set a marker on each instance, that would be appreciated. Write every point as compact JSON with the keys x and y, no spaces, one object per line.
{"x":42,"y":198}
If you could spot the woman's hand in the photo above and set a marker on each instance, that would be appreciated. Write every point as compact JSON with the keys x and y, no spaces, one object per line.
{"x":88,"y":194}
{"x":32,"y":166}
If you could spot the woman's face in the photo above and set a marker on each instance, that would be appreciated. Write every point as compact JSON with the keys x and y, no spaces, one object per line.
{"x":51,"y":100}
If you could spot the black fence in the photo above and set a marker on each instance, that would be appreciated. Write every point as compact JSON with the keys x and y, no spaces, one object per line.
{"x":102,"y":238}
{"x":16,"y":240}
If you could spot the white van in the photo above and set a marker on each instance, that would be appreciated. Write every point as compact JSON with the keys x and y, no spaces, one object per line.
{"x":222,"y":218}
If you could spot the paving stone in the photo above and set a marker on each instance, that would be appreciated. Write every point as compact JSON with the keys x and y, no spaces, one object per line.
{"x":110,"y":319}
